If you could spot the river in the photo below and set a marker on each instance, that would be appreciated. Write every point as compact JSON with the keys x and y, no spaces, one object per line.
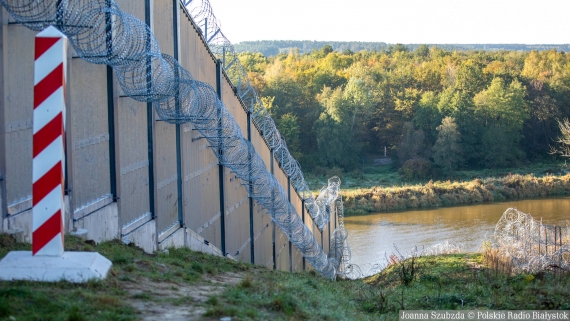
{"x":372,"y":237}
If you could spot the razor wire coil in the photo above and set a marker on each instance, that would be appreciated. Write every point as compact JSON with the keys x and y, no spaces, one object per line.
{"x":529,"y":245}
{"x":101,"y":33}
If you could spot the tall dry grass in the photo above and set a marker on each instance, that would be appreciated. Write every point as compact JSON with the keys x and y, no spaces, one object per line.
{"x":435,"y":194}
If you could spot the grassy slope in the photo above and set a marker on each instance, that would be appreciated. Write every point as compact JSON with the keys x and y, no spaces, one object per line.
{"x":446,"y":282}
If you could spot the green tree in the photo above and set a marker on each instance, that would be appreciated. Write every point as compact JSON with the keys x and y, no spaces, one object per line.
{"x":502,"y":110}
{"x":447,"y":151}
{"x":289,"y":128}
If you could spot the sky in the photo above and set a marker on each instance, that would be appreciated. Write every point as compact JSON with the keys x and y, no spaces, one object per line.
{"x":397,"y":21}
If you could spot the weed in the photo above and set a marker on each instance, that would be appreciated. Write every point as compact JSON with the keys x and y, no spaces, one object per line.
{"x":247,"y":282}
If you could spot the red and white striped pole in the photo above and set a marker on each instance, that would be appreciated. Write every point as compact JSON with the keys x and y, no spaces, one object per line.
{"x":49,"y":142}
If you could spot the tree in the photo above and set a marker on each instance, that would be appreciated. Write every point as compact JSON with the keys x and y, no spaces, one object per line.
{"x":563,"y":139}
{"x":502,"y":110}
{"x":288,"y":126}
{"x":412,"y":145}
{"x":447,"y":151}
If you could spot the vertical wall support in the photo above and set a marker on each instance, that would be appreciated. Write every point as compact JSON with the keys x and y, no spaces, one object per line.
{"x":111,"y":107}
{"x":251,"y":230}
{"x":3,"y":195}
{"x":175,"y":30}
{"x":290,"y":234}
{"x":303,"y":218}
{"x":272,"y":169}
{"x":220,"y":152}
{"x":50,"y":73}
{"x":150,"y":119}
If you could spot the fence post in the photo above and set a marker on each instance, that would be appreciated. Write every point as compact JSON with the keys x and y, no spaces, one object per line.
{"x":272,"y":158}
{"x":220,"y":152}
{"x":150,"y":121}
{"x":48,"y":150}
{"x":290,"y":244}
{"x":303,"y":218}
{"x":179,"y":181}
{"x":111,"y":108}
{"x":3,"y":195}
{"x":251,"y":230}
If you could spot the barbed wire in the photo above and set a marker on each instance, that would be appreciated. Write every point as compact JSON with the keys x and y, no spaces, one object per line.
{"x":103,"y":34}
{"x":530,"y":245}
{"x":203,"y":15}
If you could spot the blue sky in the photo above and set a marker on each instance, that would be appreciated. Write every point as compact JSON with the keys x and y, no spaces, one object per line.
{"x":397,"y":21}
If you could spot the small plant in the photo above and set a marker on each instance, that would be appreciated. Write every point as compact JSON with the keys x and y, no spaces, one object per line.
{"x":407,"y":269}
{"x":246,"y":283}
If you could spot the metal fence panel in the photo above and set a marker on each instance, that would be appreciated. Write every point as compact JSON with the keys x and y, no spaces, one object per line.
{"x":195,"y":56}
{"x":201,"y":186}
{"x":200,"y":172}
{"x":237,"y":217}
{"x":134,"y":8}
{"x":298,"y":204}
{"x":165,"y":133}
{"x":281,"y":250}
{"x":18,"y":82}
{"x":166,"y":176}
{"x":263,"y":239}
{"x":131,"y":136}
{"x":261,"y":147}
{"x":88,"y":135}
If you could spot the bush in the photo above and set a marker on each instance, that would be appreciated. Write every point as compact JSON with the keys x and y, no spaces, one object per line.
{"x":417,"y":168}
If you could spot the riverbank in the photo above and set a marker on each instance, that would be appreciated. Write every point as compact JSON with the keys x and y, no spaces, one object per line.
{"x":358,"y":201}
{"x":194,"y":286}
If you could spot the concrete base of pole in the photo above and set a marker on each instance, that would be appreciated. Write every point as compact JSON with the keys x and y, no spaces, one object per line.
{"x":74,"y":267}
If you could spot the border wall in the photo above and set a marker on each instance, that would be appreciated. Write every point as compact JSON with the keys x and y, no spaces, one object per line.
{"x":131,"y":175}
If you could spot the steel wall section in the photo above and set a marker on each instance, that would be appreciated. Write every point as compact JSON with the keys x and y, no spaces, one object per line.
{"x":88,"y":136}
{"x":281,"y":250}
{"x":134,"y":8}
{"x":201,"y":187}
{"x":281,"y":240}
{"x":166,"y":176}
{"x":298,"y":204}
{"x":131,"y":148}
{"x":234,"y":106}
{"x":236,"y":198}
{"x":236,"y":202}
{"x":18,"y":83}
{"x":200,"y":165}
{"x":262,"y":231}
{"x":132,"y":161}
{"x":261,"y":147}
{"x":165,"y":133}
{"x":3,"y":152}
{"x":195,"y":56}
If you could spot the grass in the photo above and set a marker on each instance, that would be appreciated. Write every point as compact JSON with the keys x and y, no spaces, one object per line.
{"x":459,"y":281}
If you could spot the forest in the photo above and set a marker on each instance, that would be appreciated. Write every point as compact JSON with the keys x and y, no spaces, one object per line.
{"x":274,"y":47}
{"x":433,"y":110}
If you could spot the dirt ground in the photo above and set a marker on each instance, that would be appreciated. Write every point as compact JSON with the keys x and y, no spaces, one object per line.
{"x":169,"y":301}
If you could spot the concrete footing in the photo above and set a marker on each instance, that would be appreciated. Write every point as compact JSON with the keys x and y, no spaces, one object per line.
{"x":143,"y":237}
{"x":175,"y":239}
{"x":197,"y":243}
{"x":74,"y":267}
{"x":101,"y":225}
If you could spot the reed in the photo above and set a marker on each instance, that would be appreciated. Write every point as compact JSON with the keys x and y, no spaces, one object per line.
{"x":360,"y":201}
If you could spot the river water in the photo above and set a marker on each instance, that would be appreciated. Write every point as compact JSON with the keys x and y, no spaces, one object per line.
{"x":372,"y":237}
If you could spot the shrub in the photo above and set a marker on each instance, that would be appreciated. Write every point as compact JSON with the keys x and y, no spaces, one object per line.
{"x":417,"y":168}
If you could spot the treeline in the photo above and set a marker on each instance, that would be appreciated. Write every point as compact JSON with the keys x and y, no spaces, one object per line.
{"x":273,"y":47}
{"x":435,"y":110}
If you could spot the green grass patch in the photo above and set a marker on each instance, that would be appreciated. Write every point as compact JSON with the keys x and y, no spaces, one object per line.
{"x":459,"y":281}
